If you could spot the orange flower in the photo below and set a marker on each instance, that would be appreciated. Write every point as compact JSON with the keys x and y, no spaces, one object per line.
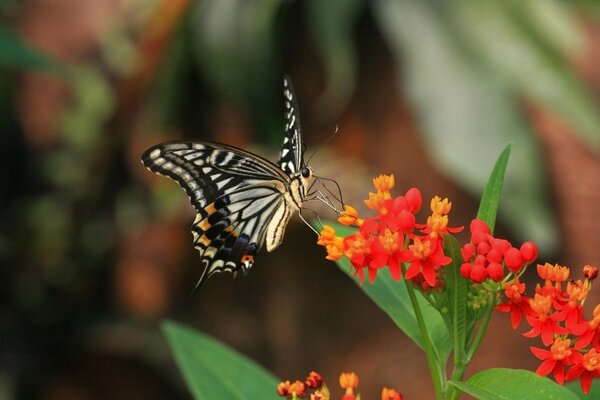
{"x":541,"y":305}
{"x":322,"y":394}
{"x":327,"y":236}
{"x":384,"y":183}
{"x":349,"y":381}
{"x":590,"y":272}
{"x":333,"y":244}
{"x":377,"y":202}
{"x":287,"y":389}
{"x":390,"y":394}
{"x":314,"y":380}
{"x":439,"y":206}
{"x":553,"y":273}
{"x":350,"y":217}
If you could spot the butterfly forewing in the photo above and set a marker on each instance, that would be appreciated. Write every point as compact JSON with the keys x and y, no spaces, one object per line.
{"x":243,"y":201}
{"x":290,"y":157}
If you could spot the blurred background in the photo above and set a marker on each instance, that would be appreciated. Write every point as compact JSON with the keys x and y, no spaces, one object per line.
{"x":95,"y":250}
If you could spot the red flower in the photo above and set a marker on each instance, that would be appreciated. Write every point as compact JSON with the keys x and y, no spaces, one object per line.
{"x":541,"y":322}
{"x":586,"y":370}
{"x":314,"y":380}
{"x":390,"y":394}
{"x":517,"y":303}
{"x":555,"y":359}
{"x":590,"y":332}
{"x":287,"y":389}
{"x":425,"y":255}
{"x":387,"y":250}
{"x":572,"y":311}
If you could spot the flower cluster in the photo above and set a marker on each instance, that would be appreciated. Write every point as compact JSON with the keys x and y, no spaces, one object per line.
{"x":319,"y":390}
{"x":486,"y":256}
{"x":392,"y":237}
{"x":555,"y":314}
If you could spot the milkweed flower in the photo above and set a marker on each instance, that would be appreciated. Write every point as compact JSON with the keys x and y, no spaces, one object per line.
{"x":390,"y":394}
{"x":316,"y":389}
{"x":392,"y":237}
{"x":586,"y":370}
{"x":289,"y":389}
{"x":561,"y":354}
{"x":517,"y":304}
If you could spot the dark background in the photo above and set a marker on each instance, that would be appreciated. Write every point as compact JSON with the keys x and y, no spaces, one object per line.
{"x":95,"y":250}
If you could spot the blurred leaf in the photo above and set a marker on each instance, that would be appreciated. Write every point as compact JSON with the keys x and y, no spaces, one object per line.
{"x":589,"y":8}
{"x":17,"y":54}
{"x":510,"y":41}
{"x":8,"y":6}
{"x":331,"y":24}
{"x":235,"y":42}
{"x":467,"y":115}
{"x":392,"y":298}
{"x":505,"y":383}
{"x":490,"y":199}
{"x":556,"y":22}
{"x":213,"y":370}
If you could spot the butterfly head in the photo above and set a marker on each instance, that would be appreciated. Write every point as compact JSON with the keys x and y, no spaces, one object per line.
{"x":306,"y":176}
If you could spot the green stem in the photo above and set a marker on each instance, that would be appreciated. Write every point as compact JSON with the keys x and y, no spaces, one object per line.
{"x":437,"y":374}
{"x":461,"y":365}
{"x":481,"y":331}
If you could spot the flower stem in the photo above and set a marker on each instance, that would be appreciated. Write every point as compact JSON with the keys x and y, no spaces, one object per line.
{"x":481,"y":331}
{"x":437,"y":374}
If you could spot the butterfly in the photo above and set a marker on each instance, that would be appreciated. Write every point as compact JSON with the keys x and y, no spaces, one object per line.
{"x":243,"y":201}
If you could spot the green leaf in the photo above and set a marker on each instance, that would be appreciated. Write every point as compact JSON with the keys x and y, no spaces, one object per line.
{"x":505,"y":383}
{"x":488,"y":206}
{"x":457,"y":288}
{"x":17,"y":54}
{"x":392,"y":298}
{"x":213,"y":370}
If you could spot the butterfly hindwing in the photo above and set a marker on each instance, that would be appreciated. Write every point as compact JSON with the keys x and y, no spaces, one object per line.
{"x":233,"y":229}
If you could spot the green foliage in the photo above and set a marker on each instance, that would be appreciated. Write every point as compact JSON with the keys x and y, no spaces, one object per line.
{"x":392,"y":298}
{"x":504,"y":383}
{"x":490,"y":200}
{"x":214,"y":371}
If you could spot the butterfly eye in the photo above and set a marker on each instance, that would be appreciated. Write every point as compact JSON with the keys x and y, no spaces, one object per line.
{"x":305,"y":172}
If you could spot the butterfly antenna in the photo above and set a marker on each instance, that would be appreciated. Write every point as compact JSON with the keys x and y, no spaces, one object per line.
{"x":323,"y":144}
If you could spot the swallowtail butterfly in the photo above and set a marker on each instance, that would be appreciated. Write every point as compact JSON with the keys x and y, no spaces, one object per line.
{"x":243,"y":201}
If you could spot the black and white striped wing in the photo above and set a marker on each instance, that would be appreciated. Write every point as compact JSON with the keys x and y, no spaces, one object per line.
{"x":236,"y":194}
{"x":291,"y":155}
